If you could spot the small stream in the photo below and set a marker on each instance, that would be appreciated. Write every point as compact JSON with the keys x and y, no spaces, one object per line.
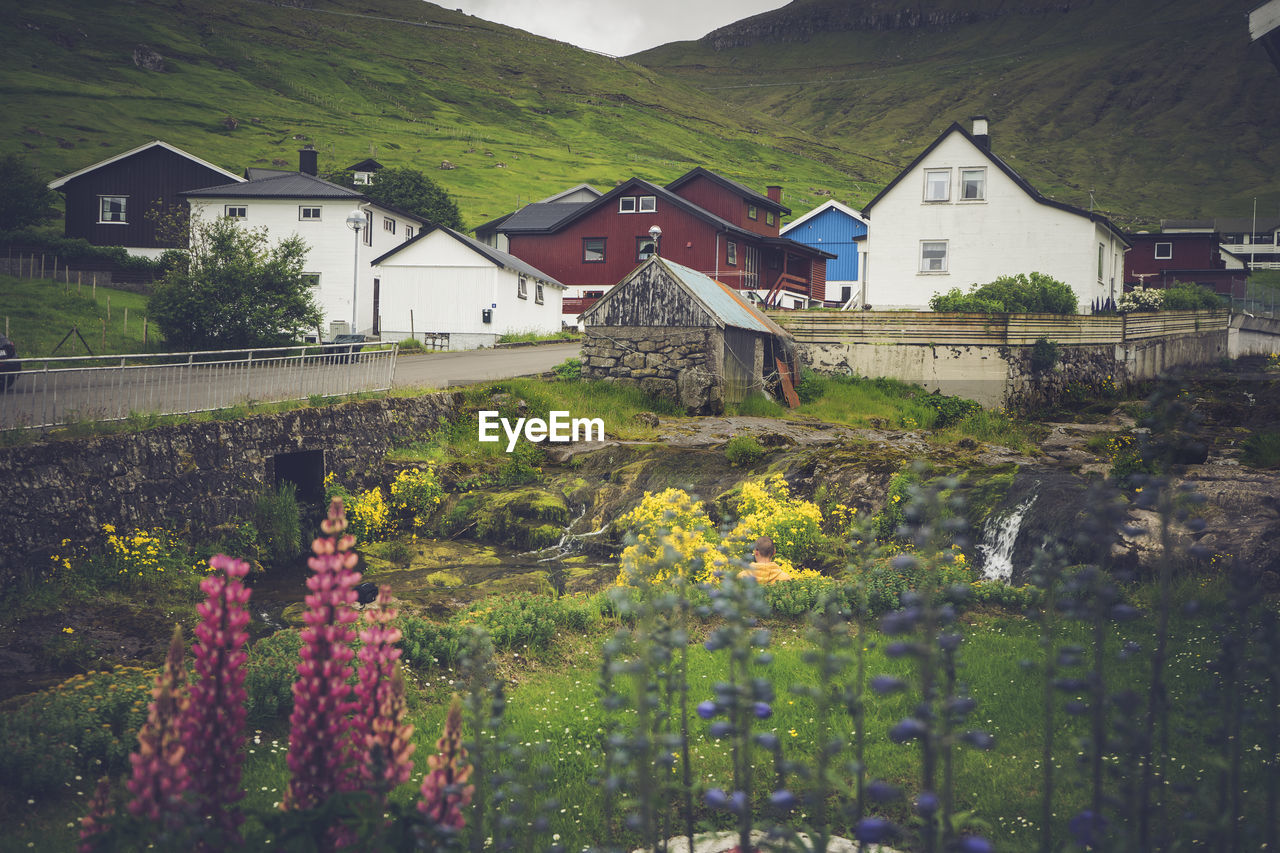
{"x":999,"y":537}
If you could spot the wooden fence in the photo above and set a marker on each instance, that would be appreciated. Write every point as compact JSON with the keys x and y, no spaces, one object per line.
{"x":931,"y":329}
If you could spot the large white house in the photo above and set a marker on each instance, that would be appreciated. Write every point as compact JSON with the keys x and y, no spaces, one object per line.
{"x":959,"y":215}
{"x":445,"y":282}
{"x":339,"y":258}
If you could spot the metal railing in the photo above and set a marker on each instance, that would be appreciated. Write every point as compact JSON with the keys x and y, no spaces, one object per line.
{"x":49,"y":392}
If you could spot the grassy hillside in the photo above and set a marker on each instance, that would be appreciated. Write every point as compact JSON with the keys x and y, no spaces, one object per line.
{"x":248,"y":82}
{"x":1162,"y":109}
{"x":39,"y":314}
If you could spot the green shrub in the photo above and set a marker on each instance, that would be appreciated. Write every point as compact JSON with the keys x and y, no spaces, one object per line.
{"x":743,"y":450}
{"x":811,"y":386}
{"x":411,"y":345}
{"x":1044,"y":355}
{"x":568,"y":370}
{"x":951,"y":410}
{"x":278,"y":520}
{"x":796,"y":597}
{"x":85,"y":726}
{"x":1189,"y":296}
{"x":511,"y":621}
{"x":1036,"y":293}
{"x":889,"y":519}
{"x":1262,"y":450}
{"x":427,"y":644}
{"x":269,"y":675}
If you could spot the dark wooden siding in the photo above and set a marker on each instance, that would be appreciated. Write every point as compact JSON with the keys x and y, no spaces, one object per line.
{"x":686,"y":239}
{"x":650,"y":299}
{"x":739,"y":364}
{"x":709,"y":195}
{"x":148,"y":179}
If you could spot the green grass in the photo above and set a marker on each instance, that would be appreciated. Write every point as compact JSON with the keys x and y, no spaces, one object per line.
{"x":1262,"y":450}
{"x":40,"y":312}
{"x":533,"y":337}
{"x":553,"y":706}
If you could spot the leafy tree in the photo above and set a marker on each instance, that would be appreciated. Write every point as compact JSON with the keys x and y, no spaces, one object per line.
{"x":25,"y":198}
{"x":234,"y":291}
{"x":413,"y":192}
{"x":1036,"y":293}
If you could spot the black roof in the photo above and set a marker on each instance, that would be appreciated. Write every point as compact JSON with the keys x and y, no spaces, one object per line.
{"x":539,"y":216}
{"x":366,"y":165}
{"x":1002,"y":166}
{"x":729,"y":184}
{"x":283,"y":185}
{"x":499,"y":257}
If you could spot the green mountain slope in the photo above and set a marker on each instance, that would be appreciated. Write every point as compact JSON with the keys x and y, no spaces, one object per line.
{"x":1161,"y":109}
{"x":247,"y":82}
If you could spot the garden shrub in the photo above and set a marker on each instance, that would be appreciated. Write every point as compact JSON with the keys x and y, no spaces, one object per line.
{"x":1262,"y":450}
{"x":743,"y":450}
{"x":368,"y":516}
{"x":951,"y":410}
{"x":1044,"y":355}
{"x":795,"y":525}
{"x":428,"y":644}
{"x":811,"y":386}
{"x":523,"y":619}
{"x":278,"y":521}
{"x":85,"y":726}
{"x":888,"y":520}
{"x":1189,"y":296}
{"x":568,"y":370}
{"x":271,"y":670}
{"x":1036,"y":293}
{"x":415,"y":494}
{"x":1140,"y":299}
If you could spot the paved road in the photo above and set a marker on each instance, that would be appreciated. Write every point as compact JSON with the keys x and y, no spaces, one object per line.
{"x":440,"y":370}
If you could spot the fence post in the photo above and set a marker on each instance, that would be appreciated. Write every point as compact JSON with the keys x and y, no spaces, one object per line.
{"x":126,"y":319}
{"x":412,"y":333}
{"x":42,"y":264}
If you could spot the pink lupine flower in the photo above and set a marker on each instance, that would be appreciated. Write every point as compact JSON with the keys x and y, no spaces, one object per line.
{"x":444,"y":791}
{"x":213,"y":728}
{"x":100,"y":811}
{"x":160,"y":779}
{"x":382,"y":738}
{"x":320,"y":748}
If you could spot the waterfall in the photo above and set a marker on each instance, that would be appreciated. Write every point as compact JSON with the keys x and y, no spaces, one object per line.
{"x":998,"y":538}
{"x":569,"y":541}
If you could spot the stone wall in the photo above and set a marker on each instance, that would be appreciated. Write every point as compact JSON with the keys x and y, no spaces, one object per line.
{"x":684,"y":364}
{"x":189,"y":477}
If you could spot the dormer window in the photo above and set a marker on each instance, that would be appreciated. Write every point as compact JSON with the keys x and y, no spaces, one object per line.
{"x":637,"y":204}
{"x":648,"y":203}
{"x":627,"y":204}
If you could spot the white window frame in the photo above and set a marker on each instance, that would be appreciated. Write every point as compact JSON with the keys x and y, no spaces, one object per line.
{"x":408,"y":232}
{"x":537,"y":293}
{"x":731,"y":253}
{"x":648,"y":203}
{"x":604,"y":243}
{"x":925,"y":269}
{"x":627,"y":204}
{"x":982,"y":187}
{"x":230,"y":211}
{"x":124,"y":210}
{"x":1168,"y":252}
{"x":1102,"y":260}
{"x":388,"y":225}
{"x":522,"y":288}
{"x":305,"y":209}
{"x":946,"y":195}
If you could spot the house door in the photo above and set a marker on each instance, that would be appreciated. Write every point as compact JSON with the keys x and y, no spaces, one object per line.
{"x":377,"y":299}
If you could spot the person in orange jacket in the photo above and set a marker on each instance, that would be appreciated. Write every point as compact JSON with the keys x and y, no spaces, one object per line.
{"x":763,"y":568}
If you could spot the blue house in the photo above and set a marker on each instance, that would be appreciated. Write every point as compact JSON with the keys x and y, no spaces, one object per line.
{"x":841,"y":230}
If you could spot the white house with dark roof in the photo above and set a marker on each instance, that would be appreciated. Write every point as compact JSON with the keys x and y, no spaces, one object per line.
{"x":445,"y":283}
{"x":288,"y":203}
{"x":959,"y":215}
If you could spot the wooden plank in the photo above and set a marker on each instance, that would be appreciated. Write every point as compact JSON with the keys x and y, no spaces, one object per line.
{"x":788,"y":388}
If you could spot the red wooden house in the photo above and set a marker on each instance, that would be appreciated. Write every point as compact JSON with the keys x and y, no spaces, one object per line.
{"x":708,"y":223}
{"x":1163,"y":258}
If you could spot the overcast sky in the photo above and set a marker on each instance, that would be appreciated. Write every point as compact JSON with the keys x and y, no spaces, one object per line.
{"x":618,"y":27}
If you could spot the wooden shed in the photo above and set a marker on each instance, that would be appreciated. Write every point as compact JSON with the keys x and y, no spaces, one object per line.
{"x":679,"y":333}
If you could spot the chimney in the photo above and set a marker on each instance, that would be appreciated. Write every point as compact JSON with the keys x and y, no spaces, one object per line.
{"x":774,"y":193}
{"x":981,"y":135}
{"x":307,"y":161}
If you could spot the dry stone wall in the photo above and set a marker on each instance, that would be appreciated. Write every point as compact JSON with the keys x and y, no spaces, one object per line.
{"x":188,"y":477}
{"x":683,"y":364}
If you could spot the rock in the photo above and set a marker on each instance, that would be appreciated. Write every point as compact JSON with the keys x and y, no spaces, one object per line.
{"x":648,"y":419}
{"x":147,"y":59}
{"x":446,"y":165}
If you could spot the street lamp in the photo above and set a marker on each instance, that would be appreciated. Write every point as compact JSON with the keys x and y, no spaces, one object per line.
{"x":356,"y":220}
{"x":655,"y":233}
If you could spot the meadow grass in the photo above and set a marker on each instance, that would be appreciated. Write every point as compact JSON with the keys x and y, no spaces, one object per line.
{"x":40,"y":313}
{"x":533,"y":336}
{"x":554,"y":710}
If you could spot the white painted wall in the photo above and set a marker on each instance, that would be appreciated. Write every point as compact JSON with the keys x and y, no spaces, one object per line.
{"x":332,"y":253}
{"x":1004,"y":234}
{"x":447,"y":284}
